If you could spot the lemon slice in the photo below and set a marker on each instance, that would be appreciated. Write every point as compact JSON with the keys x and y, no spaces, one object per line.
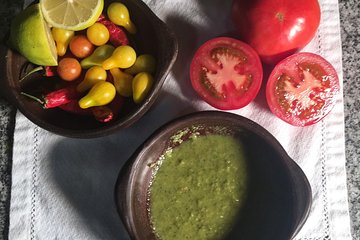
{"x":31,"y":37}
{"x":72,"y":15}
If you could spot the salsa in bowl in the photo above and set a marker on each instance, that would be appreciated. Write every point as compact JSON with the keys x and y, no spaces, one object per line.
{"x":212,"y":175}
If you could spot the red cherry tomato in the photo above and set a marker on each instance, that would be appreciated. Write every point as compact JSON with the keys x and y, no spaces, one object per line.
{"x":276,"y":29}
{"x":226,"y":73}
{"x":301,"y":89}
{"x":80,"y":46}
{"x":69,"y":69}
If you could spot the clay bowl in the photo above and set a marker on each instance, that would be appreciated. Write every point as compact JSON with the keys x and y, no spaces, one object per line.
{"x":153,"y":37}
{"x":279,"y":194}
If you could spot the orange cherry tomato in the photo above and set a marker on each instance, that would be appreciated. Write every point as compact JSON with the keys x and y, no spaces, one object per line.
{"x":80,"y":46}
{"x":69,"y":69}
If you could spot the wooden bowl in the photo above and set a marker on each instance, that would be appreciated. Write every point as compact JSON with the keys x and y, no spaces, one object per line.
{"x":279,"y":194}
{"x":153,"y":37}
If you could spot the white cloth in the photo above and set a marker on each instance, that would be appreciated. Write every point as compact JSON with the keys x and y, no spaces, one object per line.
{"x":63,"y":188}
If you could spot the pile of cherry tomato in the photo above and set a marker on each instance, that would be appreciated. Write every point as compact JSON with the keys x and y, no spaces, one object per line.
{"x":100,"y":62}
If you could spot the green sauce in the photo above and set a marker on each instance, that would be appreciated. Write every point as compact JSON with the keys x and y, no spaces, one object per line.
{"x":198,"y":189}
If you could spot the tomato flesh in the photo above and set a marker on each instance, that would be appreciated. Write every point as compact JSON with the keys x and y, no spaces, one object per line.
{"x":301,"y":89}
{"x":226,"y":73}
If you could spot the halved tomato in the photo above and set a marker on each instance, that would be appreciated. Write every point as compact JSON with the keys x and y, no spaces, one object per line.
{"x":226,"y":73}
{"x":301,"y":89}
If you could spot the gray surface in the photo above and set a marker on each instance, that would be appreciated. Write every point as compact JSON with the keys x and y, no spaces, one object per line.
{"x":7,"y":115}
{"x":350,"y":35}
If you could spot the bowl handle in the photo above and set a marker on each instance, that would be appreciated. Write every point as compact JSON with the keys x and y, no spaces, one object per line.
{"x":303,"y":195}
{"x":121,"y":194}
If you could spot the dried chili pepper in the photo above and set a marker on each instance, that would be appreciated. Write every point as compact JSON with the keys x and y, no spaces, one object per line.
{"x":73,"y":107}
{"x":117,"y":34}
{"x":56,"y":98}
{"x":47,"y":71}
{"x":50,"y":71}
{"x":108,"y":112}
{"x":102,"y":113}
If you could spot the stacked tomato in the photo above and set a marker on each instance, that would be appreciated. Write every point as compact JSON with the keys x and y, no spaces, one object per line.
{"x":227,"y":73}
{"x":98,"y":67}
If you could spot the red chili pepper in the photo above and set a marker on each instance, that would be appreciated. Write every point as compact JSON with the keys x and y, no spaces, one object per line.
{"x":56,"y":98}
{"x":48,"y":71}
{"x":117,"y":34}
{"x":102,"y":113}
{"x":73,"y":107}
{"x":110,"y":111}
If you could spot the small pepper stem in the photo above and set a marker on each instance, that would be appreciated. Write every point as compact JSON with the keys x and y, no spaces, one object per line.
{"x":33,"y":98}
{"x":39,"y":68}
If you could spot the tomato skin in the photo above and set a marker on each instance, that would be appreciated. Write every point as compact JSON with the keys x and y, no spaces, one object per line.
{"x":276,"y":29}
{"x":80,"y":46}
{"x":226,"y":73}
{"x":98,"y":34}
{"x":69,"y":69}
{"x":301,"y":89}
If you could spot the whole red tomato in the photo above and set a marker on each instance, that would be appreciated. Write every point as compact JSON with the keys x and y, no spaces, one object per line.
{"x":276,"y":29}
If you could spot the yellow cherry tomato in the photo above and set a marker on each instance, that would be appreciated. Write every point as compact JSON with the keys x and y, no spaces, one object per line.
{"x":122,"y":82}
{"x":62,"y":39}
{"x":143,"y":63}
{"x":92,"y":76}
{"x":100,"y":94}
{"x":99,"y":55}
{"x":141,"y":85}
{"x":98,"y":34}
{"x":119,"y":14}
{"x":122,"y":57}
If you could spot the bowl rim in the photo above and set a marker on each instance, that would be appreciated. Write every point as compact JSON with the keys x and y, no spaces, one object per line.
{"x":126,"y":176}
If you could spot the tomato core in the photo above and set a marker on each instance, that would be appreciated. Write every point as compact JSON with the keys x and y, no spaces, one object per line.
{"x":280,"y":17}
{"x":301,"y":89}
{"x":300,"y":98}
{"x":226,"y":73}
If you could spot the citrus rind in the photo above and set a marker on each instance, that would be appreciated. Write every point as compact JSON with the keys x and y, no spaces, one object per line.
{"x":72,"y":15}
{"x":31,"y":37}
